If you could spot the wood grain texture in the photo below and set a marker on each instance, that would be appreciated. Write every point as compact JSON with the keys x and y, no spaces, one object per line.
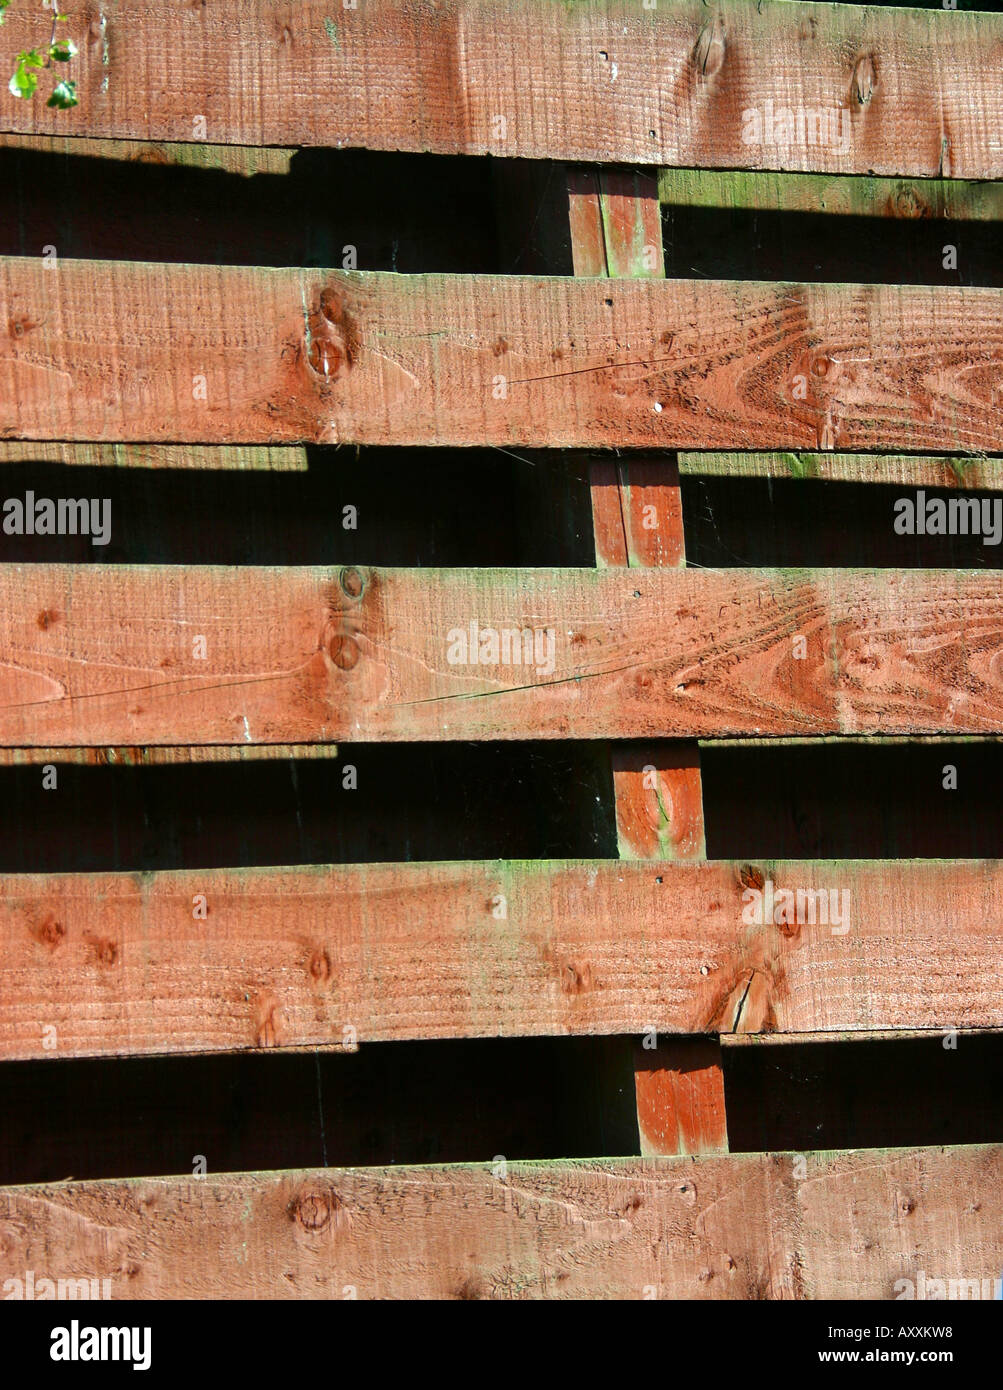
{"x":908,"y":470}
{"x":128,"y":351}
{"x":597,"y":80}
{"x":659,"y":801}
{"x":738,"y":1227}
{"x":616,"y":225}
{"x":223,"y":458}
{"x":679,"y":1086}
{"x":221,"y":960}
{"x":731,"y":1041}
{"x":637,"y":512}
{"x":106,"y":655}
{"x":906,"y":199}
{"x":166,"y":756}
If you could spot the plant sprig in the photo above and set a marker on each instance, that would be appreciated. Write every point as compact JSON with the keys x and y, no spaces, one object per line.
{"x":33,"y":61}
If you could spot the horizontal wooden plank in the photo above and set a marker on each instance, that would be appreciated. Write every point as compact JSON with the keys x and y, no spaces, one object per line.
{"x":229,"y":159}
{"x":909,"y":470}
{"x":185,"y":655}
{"x":911,"y":93}
{"x":220,"y":960}
{"x":856,"y":741}
{"x":732,"y":1041}
{"x":952,"y":471}
{"x":228,"y":458}
{"x":128,"y":351}
{"x":908,"y":199}
{"x":744,"y":1226}
{"x":166,"y":756}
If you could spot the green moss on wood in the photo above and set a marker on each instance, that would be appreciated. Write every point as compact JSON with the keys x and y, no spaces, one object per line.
{"x":927,"y":470}
{"x":836,"y":194}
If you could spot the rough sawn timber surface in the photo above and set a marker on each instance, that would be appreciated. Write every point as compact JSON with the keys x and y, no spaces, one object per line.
{"x":121,"y":351}
{"x":228,"y":959}
{"x":93,"y":654}
{"x":737,"y":1227}
{"x":594,"y":80}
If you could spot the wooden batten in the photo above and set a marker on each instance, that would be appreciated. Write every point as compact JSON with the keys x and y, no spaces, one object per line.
{"x":107,"y":655}
{"x":865,"y":90}
{"x":739,"y":1226}
{"x":115,"y":351}
{"x":230,"y":959}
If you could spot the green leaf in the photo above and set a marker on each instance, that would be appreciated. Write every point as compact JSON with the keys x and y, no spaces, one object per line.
{"x":23,"y":83}
{"x":24,"y":80}
{"x":62,"y":50}
{"x":64,"y":95}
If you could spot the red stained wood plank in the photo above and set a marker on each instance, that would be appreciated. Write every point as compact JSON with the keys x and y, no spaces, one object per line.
{"x":127,"y":351}
{"x":680,"y":1098}
{"x":659,"y":801}
{"x":747,"y":1226}
{"x":616,"y":223}
{"x":597,"y":80}
{"x":104,"y":655}
{"x":637,"y":512}
{"x":228,"y":959}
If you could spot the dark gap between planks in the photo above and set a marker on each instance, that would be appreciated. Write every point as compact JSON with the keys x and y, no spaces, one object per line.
{"x":410,"y":802}
{"x":428,"y":1102}
{"x":732,"y":522}
{"x":412,"y":507}
{"x":468,"y":508}
{"x":820,"y":247}
{"x":547,"y":800}
{"x":468,"y":1101}
{"x":401,"y":212}
{"x":881,"y":1093}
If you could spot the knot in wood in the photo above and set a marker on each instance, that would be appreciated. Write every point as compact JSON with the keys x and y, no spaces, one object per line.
{"x":751,"y":877}
{"x":330,"y":337}
{"x":313,"y":1210}
{"x":344,"y":651}
{"x":865,"y":79}
{"x":708,"y":54}
{"x":824,"y":366}
{"x":352,"y":582}
{"x":908,"y":204}
{"x":105,"y":952}
{"x":320,"y":966}
{"x":49,"y":932}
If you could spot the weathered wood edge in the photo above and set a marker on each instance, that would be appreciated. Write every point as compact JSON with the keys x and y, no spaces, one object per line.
{"x":159,"y":755}
{"x":244,"y":160}
{"x":223,"y":457}
{"x":843,"y":195}
{"x":950,"y":471}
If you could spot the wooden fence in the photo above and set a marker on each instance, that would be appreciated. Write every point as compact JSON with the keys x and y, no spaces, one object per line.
{"x":503,"y":695}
